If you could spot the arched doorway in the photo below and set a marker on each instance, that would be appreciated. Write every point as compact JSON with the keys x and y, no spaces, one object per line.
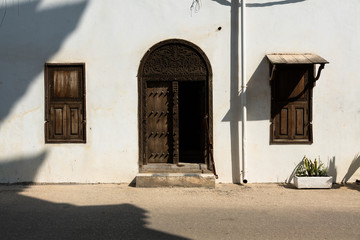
{"x":175,"y":96}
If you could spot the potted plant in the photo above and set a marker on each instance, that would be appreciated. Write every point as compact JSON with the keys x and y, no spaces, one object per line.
{"x":312,"y":174}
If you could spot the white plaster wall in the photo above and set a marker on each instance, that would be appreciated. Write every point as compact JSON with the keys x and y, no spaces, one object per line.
{"x":328,"y":28}
{"x":112,"y":36}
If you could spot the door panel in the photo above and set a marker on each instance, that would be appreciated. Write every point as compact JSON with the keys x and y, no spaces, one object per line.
{"x":74,"y":121}
{"x":301,"y":120}
{"x":158,"y":115}
{"x":293,"y":121}
{"x":58,"y":117}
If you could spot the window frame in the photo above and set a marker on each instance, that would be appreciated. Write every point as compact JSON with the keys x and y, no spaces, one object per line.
{"x":68,"y":103}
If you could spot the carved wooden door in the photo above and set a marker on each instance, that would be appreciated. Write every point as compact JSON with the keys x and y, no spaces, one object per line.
{"x":159,"y":122}
{"x":163,"y":70}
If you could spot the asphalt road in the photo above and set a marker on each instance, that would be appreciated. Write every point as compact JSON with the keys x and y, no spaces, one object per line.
{"x":117,"y":211}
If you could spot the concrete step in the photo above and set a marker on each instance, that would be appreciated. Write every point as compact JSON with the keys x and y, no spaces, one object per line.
{"x":175,"y":180}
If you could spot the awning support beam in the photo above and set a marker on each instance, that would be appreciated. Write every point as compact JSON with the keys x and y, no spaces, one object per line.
{"x":322,"y":65}
{"x":272,"y":72}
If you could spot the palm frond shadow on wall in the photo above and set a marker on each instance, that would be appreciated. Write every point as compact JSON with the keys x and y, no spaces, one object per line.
{"x":30,"y":36}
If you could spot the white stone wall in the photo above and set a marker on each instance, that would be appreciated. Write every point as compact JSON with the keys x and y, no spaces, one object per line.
{"x":111,"y":37}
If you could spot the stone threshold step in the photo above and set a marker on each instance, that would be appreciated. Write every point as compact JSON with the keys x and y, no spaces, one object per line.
{"x":175,"y":180}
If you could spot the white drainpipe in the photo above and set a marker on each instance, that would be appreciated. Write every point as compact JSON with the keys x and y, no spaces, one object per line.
{"x":243,"y":91}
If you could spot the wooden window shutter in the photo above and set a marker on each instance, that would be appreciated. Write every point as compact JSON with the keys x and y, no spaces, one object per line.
{"x":291,"y":94}
{"x":65,"y":103}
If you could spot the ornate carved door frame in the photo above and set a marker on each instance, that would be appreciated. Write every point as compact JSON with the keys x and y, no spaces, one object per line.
{"x":171,"y":61}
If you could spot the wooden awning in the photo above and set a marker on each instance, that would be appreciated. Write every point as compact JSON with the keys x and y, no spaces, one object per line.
{"x":302,"y":58}
{"x":296,"y":58}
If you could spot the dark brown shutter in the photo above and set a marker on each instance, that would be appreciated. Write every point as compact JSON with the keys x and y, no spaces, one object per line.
{"x":291,"y":91}
{"x":65,"y":103}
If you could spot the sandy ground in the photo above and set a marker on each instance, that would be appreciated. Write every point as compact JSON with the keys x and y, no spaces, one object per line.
{"x":118,"y":211}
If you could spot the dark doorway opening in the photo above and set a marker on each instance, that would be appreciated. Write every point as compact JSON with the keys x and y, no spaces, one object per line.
{"x":191,"y":122}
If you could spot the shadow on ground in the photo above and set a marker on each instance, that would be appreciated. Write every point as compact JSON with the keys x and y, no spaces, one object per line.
{"x":353,"y":186}
{"x":24,"y":217}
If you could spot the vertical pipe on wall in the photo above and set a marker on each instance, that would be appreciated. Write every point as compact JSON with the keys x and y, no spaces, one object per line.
{"x":243,"y":90}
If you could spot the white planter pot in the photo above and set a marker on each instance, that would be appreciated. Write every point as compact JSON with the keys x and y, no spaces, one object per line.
{"x":313,"y":182}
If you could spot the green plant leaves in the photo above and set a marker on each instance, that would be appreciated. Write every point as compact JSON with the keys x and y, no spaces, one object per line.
{"x":311,"y":168}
